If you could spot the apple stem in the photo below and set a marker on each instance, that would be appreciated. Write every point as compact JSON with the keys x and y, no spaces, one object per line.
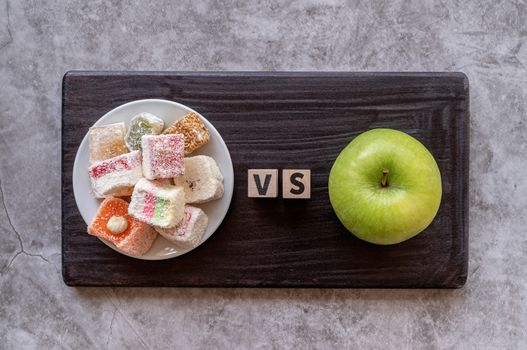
{"x":384,"y":180}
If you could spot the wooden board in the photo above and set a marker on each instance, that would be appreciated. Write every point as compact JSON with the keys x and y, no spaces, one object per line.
{"x":285,"y":121}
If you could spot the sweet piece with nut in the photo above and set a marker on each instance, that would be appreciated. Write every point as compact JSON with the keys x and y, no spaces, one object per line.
{"x":195,"y":132}
{"x":113,"y":224}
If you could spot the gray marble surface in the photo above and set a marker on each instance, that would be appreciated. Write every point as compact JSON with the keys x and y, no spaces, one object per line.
{"x":40,"y":40}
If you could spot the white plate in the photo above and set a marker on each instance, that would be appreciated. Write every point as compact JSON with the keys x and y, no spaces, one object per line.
{"x":170,"y":112}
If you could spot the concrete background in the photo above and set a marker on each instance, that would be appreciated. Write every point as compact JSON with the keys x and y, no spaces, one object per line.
{"x":40,"y":40}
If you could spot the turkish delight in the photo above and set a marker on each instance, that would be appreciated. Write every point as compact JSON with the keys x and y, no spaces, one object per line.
{"x":116,"y":176}
{"x":163,"y":156}
{"x":106,"y":141}
{"x":142,"y":124}
{"x":202,"y":181}
{"x":189,"y":232}
{"x":193,"y":129}
{"x":156,"y":203}
{"x":113,"y":224}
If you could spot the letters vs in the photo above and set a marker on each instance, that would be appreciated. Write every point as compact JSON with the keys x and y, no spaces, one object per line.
{"x":263,"y":183}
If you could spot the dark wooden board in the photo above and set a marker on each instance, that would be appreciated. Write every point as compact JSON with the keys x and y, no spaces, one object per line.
{"x":284,"y":120}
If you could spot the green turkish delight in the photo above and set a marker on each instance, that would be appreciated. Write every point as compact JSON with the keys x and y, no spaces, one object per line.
{"x":142,"y":124}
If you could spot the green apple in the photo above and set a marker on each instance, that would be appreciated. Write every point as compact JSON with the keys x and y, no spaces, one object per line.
{"x":385,"y":186}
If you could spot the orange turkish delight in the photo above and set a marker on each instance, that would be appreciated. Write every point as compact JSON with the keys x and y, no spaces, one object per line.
{"x":113,"y":224}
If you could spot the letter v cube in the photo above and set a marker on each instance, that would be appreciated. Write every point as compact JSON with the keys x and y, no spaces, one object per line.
{"x":262,"y":183}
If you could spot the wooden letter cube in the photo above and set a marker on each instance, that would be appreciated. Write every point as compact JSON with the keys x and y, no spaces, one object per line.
{"x":262,"y":183}
{"x":296,"y":183}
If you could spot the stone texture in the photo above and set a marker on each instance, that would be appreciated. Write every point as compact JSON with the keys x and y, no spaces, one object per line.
{"x":40,"y":41}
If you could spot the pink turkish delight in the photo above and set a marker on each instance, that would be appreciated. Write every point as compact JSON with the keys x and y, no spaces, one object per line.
{"x":116,"y":176}
{"x":163,"y":156}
